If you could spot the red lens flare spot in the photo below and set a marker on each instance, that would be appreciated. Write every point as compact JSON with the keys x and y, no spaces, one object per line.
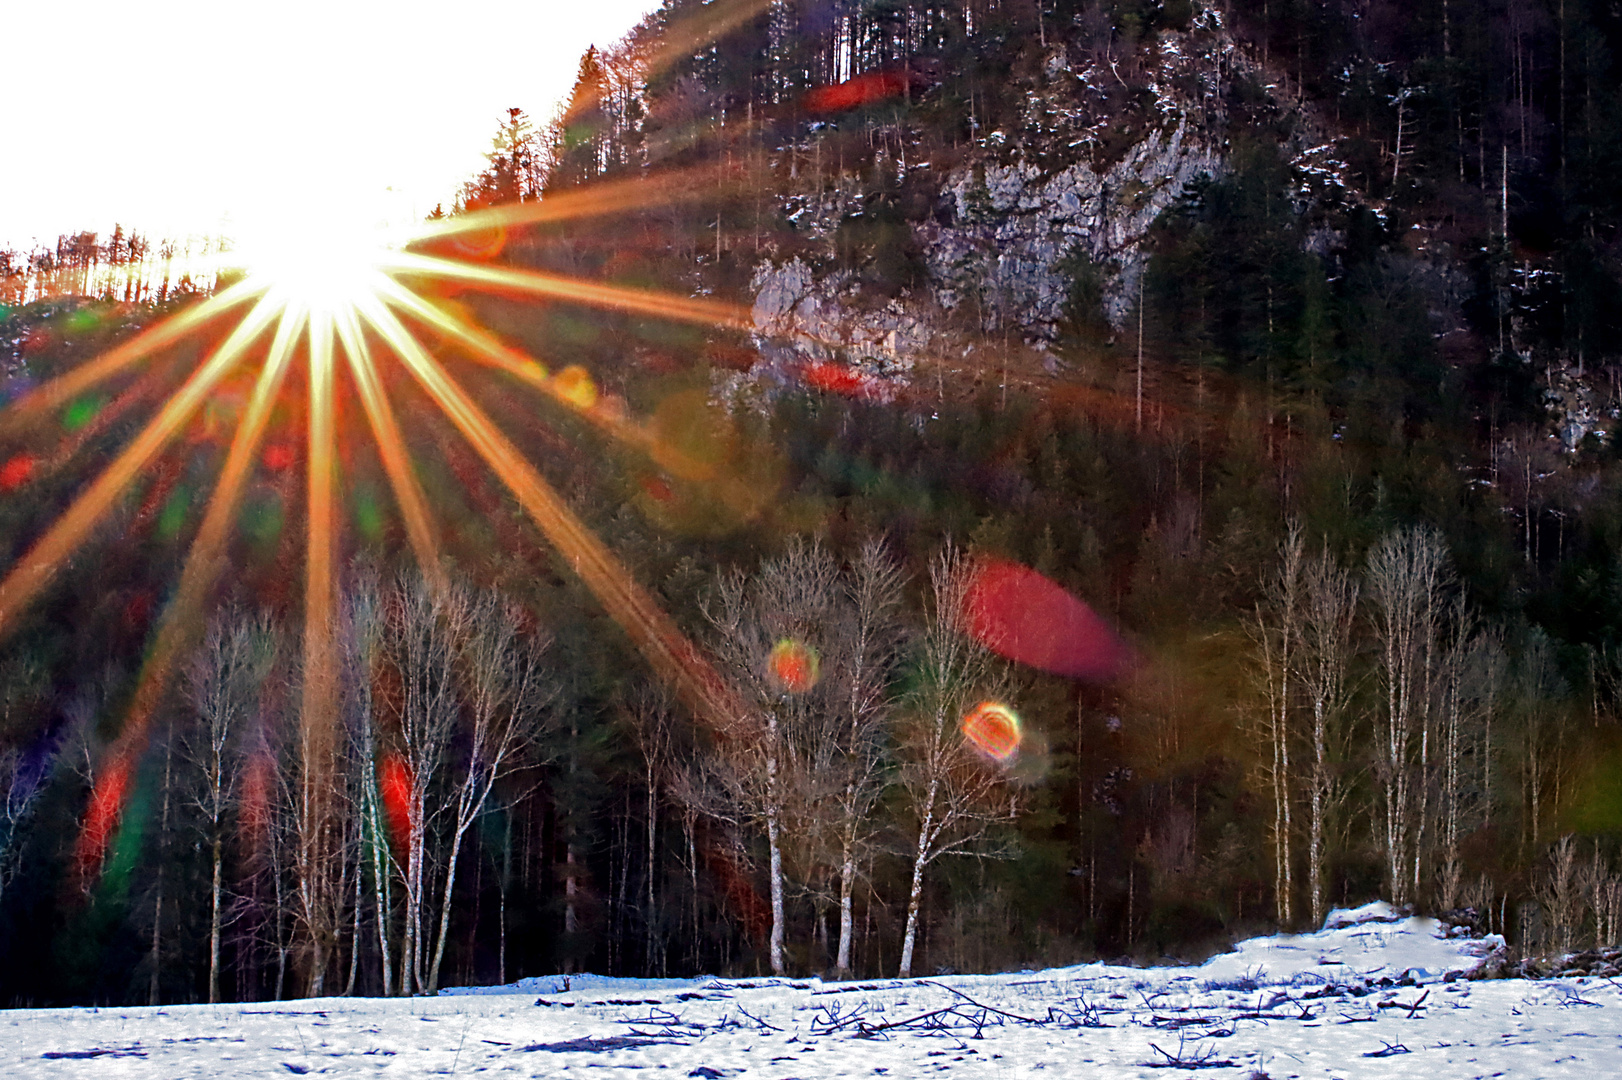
{"x":101,"y":816}
{"x":396,"y":784}
{"x":1017,"y":613}
{"x":138,"y":610}
{"x":254,"y":817}
{"x":17,"y":471}
{"x":994,"y":729}
{"x":575,"y":385}
{"x":848,"y":382}
{"x":794,"y":666}
{"x":657,"y":488}
{"x":279,"y":456}
{"x":862,"y":90}
{"x":836,"y":379}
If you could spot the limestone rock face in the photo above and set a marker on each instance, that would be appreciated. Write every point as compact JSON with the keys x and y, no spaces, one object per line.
{"x":1014,"y":226}
{"x":997,"y":249}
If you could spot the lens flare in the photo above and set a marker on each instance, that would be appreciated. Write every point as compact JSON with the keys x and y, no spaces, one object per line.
{"x":994,"y":729}
{"x":1022,"y":615}
{"x":17,"y":471}
{"x":394,"y":785}
{"x":101,"y":816}
{"x":253,"y":820}
{"x":575,"y":385}
{"x":794,"y":666}
{"x":319,"y":288}
{"x":862,"y":90}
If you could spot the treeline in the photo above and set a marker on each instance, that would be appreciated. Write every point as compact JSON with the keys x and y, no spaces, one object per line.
{"x":456,"y":818}
{"x":125,"y":266}
{"x":1326,"y":706}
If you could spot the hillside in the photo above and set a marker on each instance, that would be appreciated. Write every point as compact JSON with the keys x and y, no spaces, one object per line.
{"x":1262,"y":357}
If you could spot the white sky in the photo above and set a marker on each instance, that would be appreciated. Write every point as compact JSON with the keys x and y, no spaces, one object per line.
{"x":193,"y":117}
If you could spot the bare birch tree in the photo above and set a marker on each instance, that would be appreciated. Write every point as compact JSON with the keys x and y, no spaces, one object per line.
{"x":1328,"y":613}
{"x":649,"y":712}
{"x":1540,"y":708}
{"x":1407,"y":578}
{"x":1488,"y":673}
{"x":21,"y":781}
{"x":1276,"y":628}
{"x":506,"y":689}
{"x":869,"y":642}
{"x":468,"y":690}
{"x":222,"y":686}
{"x":953,"y":794}
{"x":362,"y":644}
{"x":424,"y":629}
{"x":792,"y":599}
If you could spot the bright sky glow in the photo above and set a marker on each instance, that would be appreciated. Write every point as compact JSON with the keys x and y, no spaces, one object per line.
{"x":186,"y":118}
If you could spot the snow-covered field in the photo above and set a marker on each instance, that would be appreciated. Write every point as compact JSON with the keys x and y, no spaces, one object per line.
{"x":1368,"y":997}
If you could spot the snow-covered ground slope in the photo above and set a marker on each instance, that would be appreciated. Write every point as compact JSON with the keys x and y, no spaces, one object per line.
{"x":1373,"y":996}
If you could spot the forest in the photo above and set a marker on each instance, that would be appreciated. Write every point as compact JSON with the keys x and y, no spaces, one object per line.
{"x":1322,"y":447}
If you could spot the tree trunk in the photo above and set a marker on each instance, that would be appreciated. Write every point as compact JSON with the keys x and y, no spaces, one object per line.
{"x":847,"y":883}
{"x":650,"y":918}
{"x":380,"y":890}
{"x":354,"y":937}
{"x":432,"y":985}
{"x":157,"y":906}
{"x":915,"y":895}
{"x":774,"y":840}
{"x":214,"y":924}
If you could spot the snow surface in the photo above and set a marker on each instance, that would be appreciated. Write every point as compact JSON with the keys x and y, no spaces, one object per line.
{"x":1368,"y":997}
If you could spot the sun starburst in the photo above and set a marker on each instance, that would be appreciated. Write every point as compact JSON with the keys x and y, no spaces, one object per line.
{"x":346,"y":311}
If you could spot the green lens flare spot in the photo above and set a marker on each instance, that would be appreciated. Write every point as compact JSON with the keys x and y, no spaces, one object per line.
{"x":369,"y":517}
{"x":173,"y":514}
{"x":81,"y":412}
{"x":262,"y":520}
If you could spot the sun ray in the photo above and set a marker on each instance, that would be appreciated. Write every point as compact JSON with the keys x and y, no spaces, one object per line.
{"x":48,"y":396}
{"x":182,"y":618}
{"x":34,"y":570}
{"x":615,"y":297}
{"x":391,"y":448}
{"x":669,"y":653}
{"x":611,"y":197}
{"x":488,"y":349}
{"x":143,"y":388}
{"x":319,"y":663}
{"x":319,"y":695}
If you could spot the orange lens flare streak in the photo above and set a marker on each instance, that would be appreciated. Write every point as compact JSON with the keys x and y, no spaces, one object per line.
{"x":489,"y":350}
{"x":34,"y":570}
{"x":319,"y":661}
{"x":319,"y":700}
{"x":616,"y":297}
{"x":109,"y":414}
{"x":598,"y":201}
{"x":182,"y":619}
{"x":391,"y":449}
{"x":44,"y":399}
{"x":670,"y":654}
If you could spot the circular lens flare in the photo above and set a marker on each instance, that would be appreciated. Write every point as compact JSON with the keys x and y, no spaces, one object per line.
{"x":994,"y":729}
{"x":794,"y":666}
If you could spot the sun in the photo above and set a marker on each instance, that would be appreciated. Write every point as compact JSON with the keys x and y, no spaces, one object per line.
{"x":343,"y":302}
{"x":323,"y":263}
